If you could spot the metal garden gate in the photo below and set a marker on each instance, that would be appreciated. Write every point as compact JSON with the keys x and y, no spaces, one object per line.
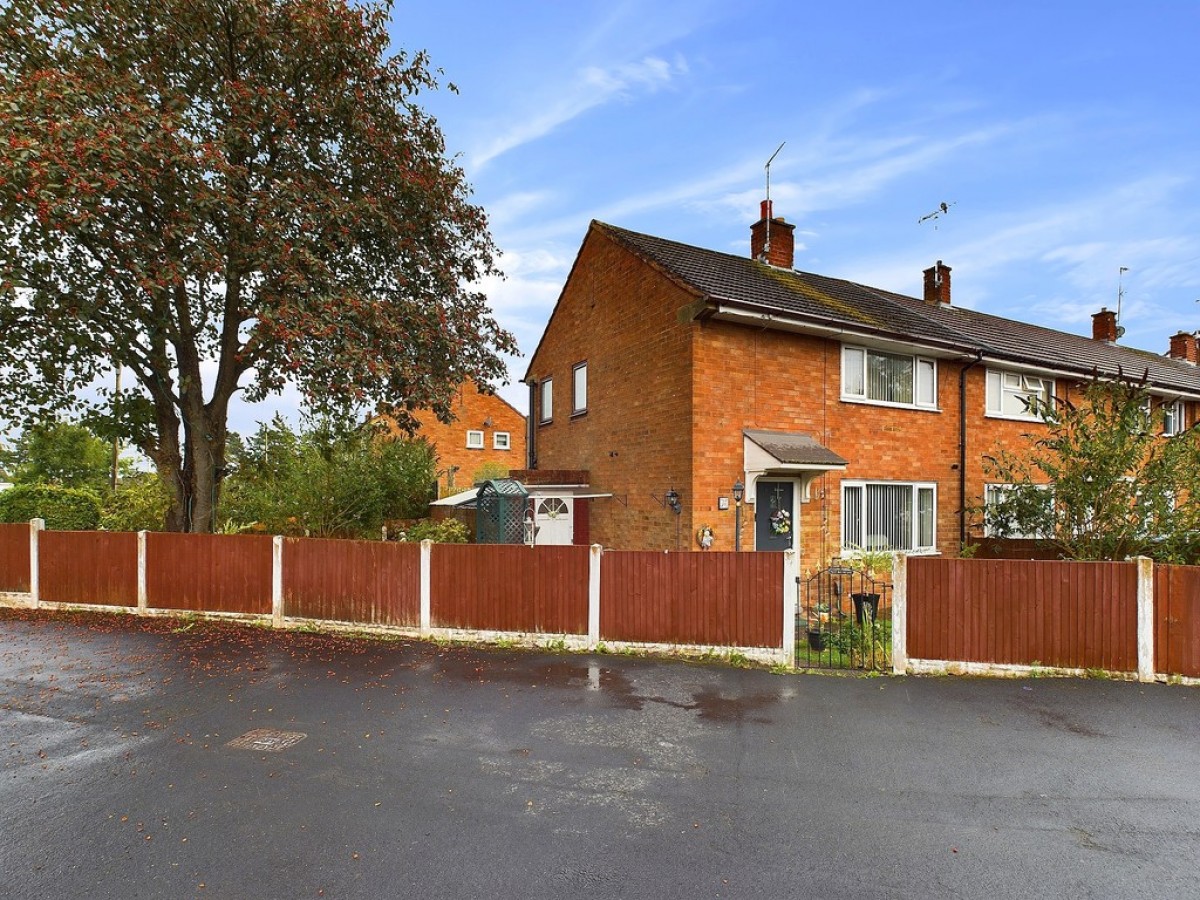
{"x":844,"y":619}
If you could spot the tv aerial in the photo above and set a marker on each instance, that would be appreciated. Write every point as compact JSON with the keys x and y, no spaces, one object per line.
{"x":942,"y":209}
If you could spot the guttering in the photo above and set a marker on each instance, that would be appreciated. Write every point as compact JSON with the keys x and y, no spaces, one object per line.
{"x":962,"y":446}
{"x":531,"y":427}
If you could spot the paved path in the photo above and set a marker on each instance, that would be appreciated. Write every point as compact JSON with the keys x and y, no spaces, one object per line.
{"x":430,"y":771}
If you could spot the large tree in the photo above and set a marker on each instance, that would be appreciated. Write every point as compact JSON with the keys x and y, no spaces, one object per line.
{"x":223,"y":196}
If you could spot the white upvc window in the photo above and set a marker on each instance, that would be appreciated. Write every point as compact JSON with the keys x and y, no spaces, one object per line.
{"x":579,"y":401}
{"x":1173,"y":418}
{"x":1018,"y":395}
{"x":501,"y":440}
{"x":895,"y":379}
{"x":884,"y":515}
{"x":546,"y":402}
{"x":474,"y":440}
{"x":994,"y":495}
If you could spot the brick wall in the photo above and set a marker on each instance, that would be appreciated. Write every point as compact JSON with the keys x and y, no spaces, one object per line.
{"x":457,"y":465}
{"x":620,"y":315}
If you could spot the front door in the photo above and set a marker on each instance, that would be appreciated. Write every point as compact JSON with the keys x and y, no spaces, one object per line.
{"x":554,"y":520}
{"x":774,"y":519}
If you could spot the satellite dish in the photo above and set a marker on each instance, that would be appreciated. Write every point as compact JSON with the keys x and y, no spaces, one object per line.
{"x":1120,"y":332}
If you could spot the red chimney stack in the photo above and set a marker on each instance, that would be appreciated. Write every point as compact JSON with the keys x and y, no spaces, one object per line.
{"x":771,"y":239}
{"x":937,"y":285}
{"x":1104,"y":326}
{"x":1184,"y":347}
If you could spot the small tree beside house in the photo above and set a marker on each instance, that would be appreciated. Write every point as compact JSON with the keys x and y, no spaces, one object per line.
{"x":1102,"y":481}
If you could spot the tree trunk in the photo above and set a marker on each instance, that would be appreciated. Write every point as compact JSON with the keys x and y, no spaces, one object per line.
{"x":192,"y":473}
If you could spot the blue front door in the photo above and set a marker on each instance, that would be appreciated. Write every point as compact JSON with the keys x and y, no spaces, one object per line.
{"x":774,"y":515}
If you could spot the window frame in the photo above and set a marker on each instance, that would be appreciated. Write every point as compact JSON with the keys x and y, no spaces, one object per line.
{"x":1178,"y":417}
{"x":546,"y":401}
{"x":992,"y":398}
{"x":478,"y":443}
{"x":918,"y":362}
{"x":576,"y":408}
{"x":915,"y":487}
{"x":496,"y":435}
{"x":991,"y":487}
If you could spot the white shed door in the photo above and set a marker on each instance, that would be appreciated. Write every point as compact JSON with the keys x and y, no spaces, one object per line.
{"x":555,"y":520}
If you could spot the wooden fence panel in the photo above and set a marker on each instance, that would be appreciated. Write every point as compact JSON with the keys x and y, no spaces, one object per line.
{"x":716,"y":598}
{"x":371,"y":582}
{"x":14,"y":558}
{"x":1177,"y":620}
{"x":209,"y":572}
{"x":1062,"y":614}
{"x":93,"y":567}
{"x":498,"y":587}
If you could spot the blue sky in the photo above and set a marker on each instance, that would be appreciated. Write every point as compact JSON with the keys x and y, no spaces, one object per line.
{"x":1066,"y":136}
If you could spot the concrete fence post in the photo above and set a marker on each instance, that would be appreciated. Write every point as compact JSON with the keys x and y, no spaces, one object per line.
{"x":791,"y":583}
{"x":426,"y":588}
{"x":141,"y":574}
{"x":35,"y":525}
{"x":1145,"y":618}
{"x":595,"y":552}
{"x":900,"y":614}
{"x":277,"y":581}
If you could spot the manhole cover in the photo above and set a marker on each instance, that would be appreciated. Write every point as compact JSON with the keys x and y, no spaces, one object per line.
{"x":269,"y":740}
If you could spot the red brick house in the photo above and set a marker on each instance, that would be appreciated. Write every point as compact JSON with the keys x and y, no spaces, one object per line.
{"x":486,"y":431}
{"x":853,"y":416}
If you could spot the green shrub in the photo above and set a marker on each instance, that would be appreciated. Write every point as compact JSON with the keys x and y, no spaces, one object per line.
{"x":448,"y":531}
{"x":62,"y":508}
{"x":140,"y":504}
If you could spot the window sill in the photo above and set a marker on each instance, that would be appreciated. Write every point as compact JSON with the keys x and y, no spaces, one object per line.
{"x":1004,"y":418}
{"x":579,"y":414}
{"x":883,"y":403}
{"x":544,"y":422}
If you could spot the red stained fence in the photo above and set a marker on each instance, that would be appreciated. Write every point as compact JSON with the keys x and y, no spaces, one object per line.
{"x":209,"y":572}
{"x":716,"y":598}
{"x":1065,"y":614}
{"x":496,"y":587}
{"x":92,"y":567}
{"x":352,"y":581}
{"x":1177,"y":620}
{"x":14,"y":558}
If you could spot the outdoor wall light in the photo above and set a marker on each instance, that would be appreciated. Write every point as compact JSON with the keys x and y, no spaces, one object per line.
{"x":739,"y":491}
{"x":672,"y":498}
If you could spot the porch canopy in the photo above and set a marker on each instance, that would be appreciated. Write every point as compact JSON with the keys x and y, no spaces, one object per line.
{"x":788,"y":453}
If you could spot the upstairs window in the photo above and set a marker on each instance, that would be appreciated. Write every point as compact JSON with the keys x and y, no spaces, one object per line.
{"x":501,"y":441}
{"x":474,"y":440}
{"x":1173,"y":418}
{"x":1016,"y":395}
{"x":891,"y":378}
{"x":579,"y":389}
{"x":546,"y":401}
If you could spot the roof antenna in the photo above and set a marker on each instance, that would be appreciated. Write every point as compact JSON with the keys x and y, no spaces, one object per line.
{"x":942,"y":209}
{"x":767,"y":243}
{"x":1120,"y":294}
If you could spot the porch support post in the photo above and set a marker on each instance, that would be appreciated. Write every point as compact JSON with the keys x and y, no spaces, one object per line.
{"x":35,"y":525}
{"x":426,"y":590}
{"x":899,"y":614}
{"x":1145,"y":618}
{"x":595,"y":553}
{"x":791,"y":581}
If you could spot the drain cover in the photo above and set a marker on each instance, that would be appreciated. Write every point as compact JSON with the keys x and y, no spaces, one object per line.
{"x":268,"y":740}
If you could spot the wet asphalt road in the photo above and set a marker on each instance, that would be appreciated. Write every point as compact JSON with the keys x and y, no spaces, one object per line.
{"x":430,"y":771}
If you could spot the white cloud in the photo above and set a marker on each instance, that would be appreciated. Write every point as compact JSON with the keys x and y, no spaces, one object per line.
{"x":592,"y":87}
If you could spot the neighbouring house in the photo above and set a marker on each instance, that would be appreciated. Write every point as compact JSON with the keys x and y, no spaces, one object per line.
{"x":485,"y":439}
{"x":853,"y":417}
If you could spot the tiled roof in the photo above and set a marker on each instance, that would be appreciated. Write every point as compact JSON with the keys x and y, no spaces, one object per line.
{"x":739,"y":280}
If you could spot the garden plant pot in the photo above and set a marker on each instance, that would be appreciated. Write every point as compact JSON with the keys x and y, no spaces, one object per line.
{"x":861,"y":602}
{"x":816,"y":640}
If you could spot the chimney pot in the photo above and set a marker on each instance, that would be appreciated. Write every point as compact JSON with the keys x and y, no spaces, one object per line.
{"x":937,"y":285}
{"x":772,"y":240}
{"x":1104,"y":325}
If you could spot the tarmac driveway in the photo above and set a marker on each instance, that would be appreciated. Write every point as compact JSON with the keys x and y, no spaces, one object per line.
{"x":445,"y":771}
